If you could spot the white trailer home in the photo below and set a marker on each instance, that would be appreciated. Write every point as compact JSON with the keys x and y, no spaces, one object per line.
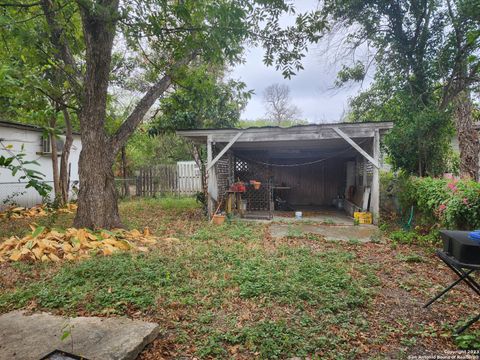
{"x":36,"y":147}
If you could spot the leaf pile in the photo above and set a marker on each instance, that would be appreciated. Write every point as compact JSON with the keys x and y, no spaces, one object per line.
{"x":70,"y":208}
{"x":22,"y":213}
{"x":72,"y":244}
{"x":35,"y":211}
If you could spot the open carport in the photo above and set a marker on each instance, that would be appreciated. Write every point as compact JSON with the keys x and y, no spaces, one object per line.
{"x":310,"y":168}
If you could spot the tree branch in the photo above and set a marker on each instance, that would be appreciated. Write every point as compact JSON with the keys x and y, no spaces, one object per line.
{"x":137,"y":115}
{"x":59,"y":41}
{"x":139,"y":112}
{"x":19,"y":5}
{"x":56,"y":100}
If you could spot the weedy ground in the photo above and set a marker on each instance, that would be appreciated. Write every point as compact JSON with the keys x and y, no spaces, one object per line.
{"x":232,"y":291}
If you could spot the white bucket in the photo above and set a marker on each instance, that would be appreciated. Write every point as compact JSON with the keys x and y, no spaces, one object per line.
{"x":243,"y":205}
{"x":298,"y":215}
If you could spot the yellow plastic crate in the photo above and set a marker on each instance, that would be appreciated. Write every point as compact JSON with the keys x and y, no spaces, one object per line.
{"x":363,"y":217}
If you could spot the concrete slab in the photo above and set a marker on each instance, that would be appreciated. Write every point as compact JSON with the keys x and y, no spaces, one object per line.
{"x":361,"y":233}
{"x":31,"y":337}
{"x":326,"y":216}
{"x":329,"y":218}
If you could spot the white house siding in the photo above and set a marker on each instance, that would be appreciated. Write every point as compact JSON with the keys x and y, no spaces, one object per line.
{"x":10,"y":187}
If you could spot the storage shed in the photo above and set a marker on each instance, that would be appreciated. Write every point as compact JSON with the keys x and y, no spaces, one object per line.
{"x":305,"y":167}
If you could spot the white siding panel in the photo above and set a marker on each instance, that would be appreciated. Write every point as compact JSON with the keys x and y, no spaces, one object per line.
{"x":31,"y":142}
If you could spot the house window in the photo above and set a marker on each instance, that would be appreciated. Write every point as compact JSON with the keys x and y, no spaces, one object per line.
{"x":47,"y":145}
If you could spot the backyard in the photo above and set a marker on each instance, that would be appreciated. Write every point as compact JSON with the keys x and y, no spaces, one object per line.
{"x":233,"y":291}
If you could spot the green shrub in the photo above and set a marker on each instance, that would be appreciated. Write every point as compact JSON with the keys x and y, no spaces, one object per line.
{"x":403,"y":237}
{"x":468,"y":341}
{"x":448,"y":202}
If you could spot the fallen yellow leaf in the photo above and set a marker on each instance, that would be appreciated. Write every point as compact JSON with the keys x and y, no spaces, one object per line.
{"x":38,"y":253}
{"x":16,"y":255}
{"x":69,"y":257}
{"x":67,"y":247}
{"x":135,"y":233}
{"x":146,"y":231}
{"x":54,"y":257}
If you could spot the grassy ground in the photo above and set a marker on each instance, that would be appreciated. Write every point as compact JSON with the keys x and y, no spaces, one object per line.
{"x":232,"y":291}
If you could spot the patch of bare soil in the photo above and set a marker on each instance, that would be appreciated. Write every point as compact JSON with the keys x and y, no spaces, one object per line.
{"x":398,"y":323}
{"x":11,"y":275}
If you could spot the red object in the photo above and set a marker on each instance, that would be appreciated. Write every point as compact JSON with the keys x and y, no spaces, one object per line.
{"x":238,"y":187}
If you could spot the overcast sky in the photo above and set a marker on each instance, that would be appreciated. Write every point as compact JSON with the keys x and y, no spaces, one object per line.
{"x":312,"y":89}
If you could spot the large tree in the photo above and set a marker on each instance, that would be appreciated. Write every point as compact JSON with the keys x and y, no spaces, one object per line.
{"x":34,"y":91}
{"x":165,"y":36}
{"x":425,"y":52}
{"x":278,"y":103}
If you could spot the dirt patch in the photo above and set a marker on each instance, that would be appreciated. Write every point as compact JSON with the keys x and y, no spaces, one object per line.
{"x":398,"y":323}
{"x":10,"y":276}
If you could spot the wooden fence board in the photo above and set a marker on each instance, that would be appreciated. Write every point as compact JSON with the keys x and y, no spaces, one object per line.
{"x":182,"y":178}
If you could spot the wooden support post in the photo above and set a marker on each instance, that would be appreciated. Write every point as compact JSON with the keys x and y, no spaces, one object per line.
{"x":229,"y":205}
{"x":224,"y":150}
{"x":375,"y":199}
{"x":209,"y":170}
{"x":365,"y":173}
{"x":356,"y":146}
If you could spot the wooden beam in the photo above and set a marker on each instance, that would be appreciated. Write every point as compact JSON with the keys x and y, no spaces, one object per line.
{"x":356,"y":147}
{"x":375,"y":199}
{"x":275,"y":135}
{"x":224,"y":150}
{"x":209,"y":175}
{"x":296,"y":133}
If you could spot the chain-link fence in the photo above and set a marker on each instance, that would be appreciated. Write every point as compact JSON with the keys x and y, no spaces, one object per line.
{"x":16,"y":194}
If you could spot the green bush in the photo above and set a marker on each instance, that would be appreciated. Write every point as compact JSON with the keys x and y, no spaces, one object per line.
{"x":414,"y":237}
{"x":448,"y":202}
{"x":468,"y":341}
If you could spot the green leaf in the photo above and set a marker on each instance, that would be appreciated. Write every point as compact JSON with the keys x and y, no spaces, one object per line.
{"x":38,"y":230}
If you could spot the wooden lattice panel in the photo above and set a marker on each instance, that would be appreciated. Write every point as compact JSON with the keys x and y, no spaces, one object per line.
{"x":257,"y":200}
{"x":242,"y":172}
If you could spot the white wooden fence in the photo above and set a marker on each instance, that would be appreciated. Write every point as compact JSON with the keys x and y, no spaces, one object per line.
{"x":184,"y":178}
{"x":189,"y":178}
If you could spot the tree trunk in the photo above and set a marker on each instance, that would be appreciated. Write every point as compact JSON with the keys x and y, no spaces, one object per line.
{"x":54,"y":156}
{"x":467,"y":136}
{"x":64,"y":165}
{"x":201,"y":165}
{"x":126,"y":187}
{"x":420,"y":157}
{"x":97,"y":200}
